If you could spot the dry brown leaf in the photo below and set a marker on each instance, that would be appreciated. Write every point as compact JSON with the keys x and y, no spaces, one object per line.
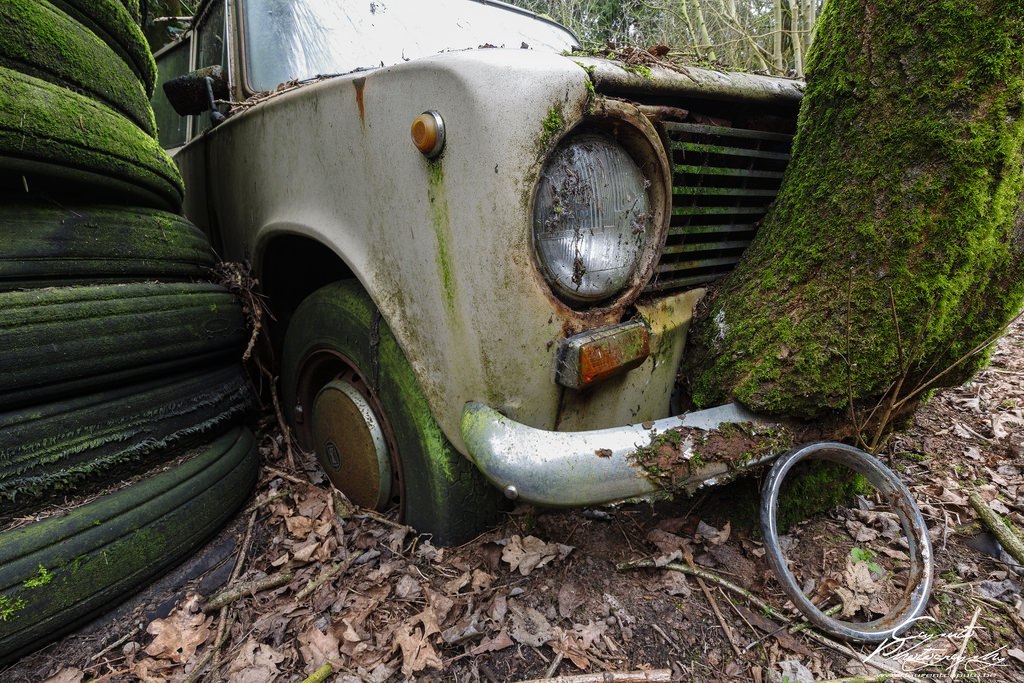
{"x":177,"y":637}
{"x":66,"y":675}
{"x":256,"y":663}
{"x":666,"y":542}
{"x":318,"y":648}
{"x":481,"y":580}
{"x":527,"y":554}
{"x":417,"y":652}
{"x":453,"y":586}
{"x":498,"y":642}
{"x":858,"y":589}
{"x":569,"y":598}
{"x":530,"y":627}
{"x":140,"y":668}
{"x":407,"y":587}
{"x":569,"y":646}
{"x":298,"y":526}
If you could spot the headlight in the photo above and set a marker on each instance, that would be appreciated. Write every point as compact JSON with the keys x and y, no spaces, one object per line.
{"x":591,"y":219}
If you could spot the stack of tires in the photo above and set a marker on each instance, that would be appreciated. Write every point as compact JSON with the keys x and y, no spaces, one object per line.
{"x":120,"y":383}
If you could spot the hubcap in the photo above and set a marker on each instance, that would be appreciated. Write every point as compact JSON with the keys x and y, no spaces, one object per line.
{"x":350,"y":444}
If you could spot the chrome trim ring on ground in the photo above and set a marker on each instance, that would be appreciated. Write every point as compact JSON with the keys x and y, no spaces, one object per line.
{"x":919,"y":580}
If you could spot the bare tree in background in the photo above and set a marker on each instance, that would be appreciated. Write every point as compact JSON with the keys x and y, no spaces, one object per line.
{"x":768,"y":36}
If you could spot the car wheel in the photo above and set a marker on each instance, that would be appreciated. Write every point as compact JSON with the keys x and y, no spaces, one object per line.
{"x":355,"y":401}
{"x":46,"y":245}
{"x":55,"y":447}
{"x":40,"y":40}
{"x":117,"y":27}
{"x":50,"y":135}
{"x":63,"y":341}
{"x":60,"y":572}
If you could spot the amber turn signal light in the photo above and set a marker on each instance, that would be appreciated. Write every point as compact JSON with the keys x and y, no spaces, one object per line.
{"x":428,"y":133}
{"x":589,"y":358}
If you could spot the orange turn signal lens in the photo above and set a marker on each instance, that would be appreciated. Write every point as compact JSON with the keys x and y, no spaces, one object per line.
{"x":593,"y":356}
{"x":428,"y":133}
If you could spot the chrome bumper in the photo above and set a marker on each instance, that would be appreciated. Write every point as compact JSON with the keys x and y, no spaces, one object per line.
{"x":573,"y":469}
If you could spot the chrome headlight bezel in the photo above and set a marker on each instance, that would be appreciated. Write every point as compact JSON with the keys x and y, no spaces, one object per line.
{"x":629,"y":129}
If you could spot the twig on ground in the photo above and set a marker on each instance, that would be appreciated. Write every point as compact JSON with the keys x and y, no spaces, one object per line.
{"x":721,"y":620}
{"x":320,"y":675}
{"x":377,"y":517}
{"x":108,"y":648}
{"x":226,"y":597}
{"x":222,"y":620}
{"x":197,"y":672}
{"x":554,"y":665}
{"x":335,"y":569}
{"x":288,"y":477}
{"x":768,"y":609}
{"x":998,"y":526}
{"x":655,"y":675}
{"x":668,"y":640}
{"x":963,"y":645}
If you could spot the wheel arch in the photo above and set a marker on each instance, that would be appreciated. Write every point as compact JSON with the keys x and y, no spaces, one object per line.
{"x":292,"y":266}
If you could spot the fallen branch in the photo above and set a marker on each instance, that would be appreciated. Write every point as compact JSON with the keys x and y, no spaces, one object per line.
{"x":226,"y":597}
{"x":998,"y":526}
{"x":610,"y":677}
{"x":320,"y":675}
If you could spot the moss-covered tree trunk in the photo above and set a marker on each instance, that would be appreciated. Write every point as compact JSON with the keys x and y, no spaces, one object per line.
{"x":896,"y":241}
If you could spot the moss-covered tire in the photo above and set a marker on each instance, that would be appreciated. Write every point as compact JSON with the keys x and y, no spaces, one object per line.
{"x":46,"y":245}
{"x":60,"y":342}
{"x":60,"y":572}
{"x":38,"y":39}
{"x":50,"y":135}
{"x":57,"y":446}
{"x":337,"y":335}
{"x":119,"y":28}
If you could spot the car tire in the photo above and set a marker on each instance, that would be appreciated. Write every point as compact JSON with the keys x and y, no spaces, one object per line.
{"x":337,"y":332}
{"x":50,"y":135}
{"x":47,"y":245}
{"x":59,"y":342}
{"x":115,"y":25}
{"x":60,"y":572}
{"x":57,"y":446}
{"x":39,"y":40}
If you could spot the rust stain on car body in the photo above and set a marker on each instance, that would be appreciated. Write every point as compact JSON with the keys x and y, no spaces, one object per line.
{"x":360,"y":85}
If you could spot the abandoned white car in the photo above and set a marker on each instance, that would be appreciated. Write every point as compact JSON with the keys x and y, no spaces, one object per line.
{"x":481,"y":250}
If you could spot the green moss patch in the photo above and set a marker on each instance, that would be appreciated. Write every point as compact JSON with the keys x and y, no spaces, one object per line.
{"x":40,"y":40}
{"x":674,"y":457}
{"x":896,"y":242}
{"x":115,"y":25}
{"x":99,"y":552}
{"x":60,"y":445}
{"x":46,"y":245}
{"x":51,"y":126}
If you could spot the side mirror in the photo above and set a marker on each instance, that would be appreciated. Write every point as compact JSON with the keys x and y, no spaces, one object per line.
{"x":197,"y":91}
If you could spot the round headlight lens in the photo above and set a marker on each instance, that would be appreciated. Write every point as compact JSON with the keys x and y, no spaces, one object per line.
{"x":591,"y":219}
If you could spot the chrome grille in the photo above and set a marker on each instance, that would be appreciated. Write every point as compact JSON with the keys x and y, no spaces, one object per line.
{"x":723,"y":180}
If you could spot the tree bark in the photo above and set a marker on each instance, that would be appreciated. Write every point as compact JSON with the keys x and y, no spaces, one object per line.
{"x":895,"y":245}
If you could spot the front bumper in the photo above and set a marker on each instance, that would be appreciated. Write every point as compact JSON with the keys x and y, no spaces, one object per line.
{"x":573,"y":469}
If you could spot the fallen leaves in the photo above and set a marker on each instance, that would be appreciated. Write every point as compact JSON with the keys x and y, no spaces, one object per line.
{"x":177,"y":637}
{"x":530,"y":553}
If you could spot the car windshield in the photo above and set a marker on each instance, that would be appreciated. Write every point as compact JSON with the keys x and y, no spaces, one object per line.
{"x":299,"y":39}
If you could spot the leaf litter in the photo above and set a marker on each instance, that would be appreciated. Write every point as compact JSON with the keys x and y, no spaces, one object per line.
{"x":540,"y":595}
